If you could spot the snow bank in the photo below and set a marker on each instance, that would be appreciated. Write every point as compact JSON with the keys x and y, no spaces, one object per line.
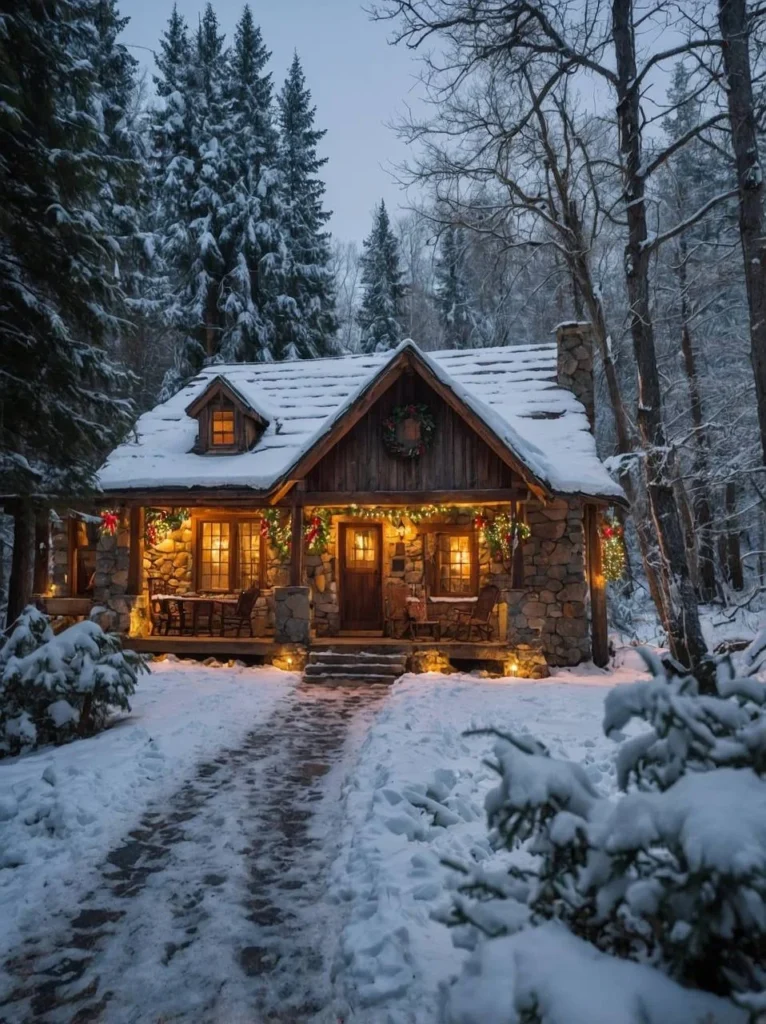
{"x":564,"y":980}
{"x":62,"y":808}
{"x":416,"y":797}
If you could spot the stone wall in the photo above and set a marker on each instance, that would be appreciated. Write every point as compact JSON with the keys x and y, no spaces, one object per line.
{"x":292,"y":615}
{"x":125,"y":613}
{"x":170,"y":560}
{"x":551,"y":611}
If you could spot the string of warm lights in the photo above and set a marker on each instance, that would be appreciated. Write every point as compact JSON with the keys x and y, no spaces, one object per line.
{"x":612,"y":548}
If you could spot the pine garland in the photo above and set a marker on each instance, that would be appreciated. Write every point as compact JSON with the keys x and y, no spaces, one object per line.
{"x":317,"y":531}
{"x":159,"y":522}
{"x":502,"y":534}
{"x":277,"y":531}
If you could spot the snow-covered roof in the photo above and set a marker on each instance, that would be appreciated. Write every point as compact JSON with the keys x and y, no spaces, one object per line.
{"x":512,"y":389}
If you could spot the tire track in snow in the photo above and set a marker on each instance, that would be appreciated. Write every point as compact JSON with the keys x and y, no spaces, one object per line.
{"x":212,"y":909}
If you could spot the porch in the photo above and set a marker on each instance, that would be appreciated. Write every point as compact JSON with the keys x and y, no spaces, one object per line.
{"x":406,"y":578}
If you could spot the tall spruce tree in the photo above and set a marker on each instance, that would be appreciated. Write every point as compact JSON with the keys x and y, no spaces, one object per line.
{"x":381,"y":309}
{"x":307,"y":323}
{"x":191,"y":182}
{"x":60,"y":299}
{"x":452,"y":291}
{"x":252,"y":234}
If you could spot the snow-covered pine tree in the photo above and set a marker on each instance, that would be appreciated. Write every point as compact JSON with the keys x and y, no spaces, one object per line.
{"x":126,"y":202}
{"x":173,"y":127}
{"x":190,"y":172}
{"x":452,"y":293}
{"x":383,"y":291}
{"x":307,"y":323}
{"x":252,"y":233}
{"x":61,"y":300}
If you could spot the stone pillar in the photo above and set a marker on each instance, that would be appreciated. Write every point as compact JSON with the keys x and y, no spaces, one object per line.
{"x":574,"y":364}
{"x":125,"y":613}
{"x":292,"y":615}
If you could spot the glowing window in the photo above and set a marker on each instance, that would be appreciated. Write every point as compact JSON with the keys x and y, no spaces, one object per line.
{"x":215,"y":557}
{"x":361,"y":548}
{"x":222,"y":427}
{"x":249,"y":563}
{"x":455,"y":564}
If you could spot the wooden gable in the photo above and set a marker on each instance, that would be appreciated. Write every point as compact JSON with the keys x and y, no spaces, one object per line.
{"x":458,"y":460}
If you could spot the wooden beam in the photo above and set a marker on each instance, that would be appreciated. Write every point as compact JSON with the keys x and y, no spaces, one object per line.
{"x":136,"y":555}
{"x":197,"y":498}
{"x":340,"y":499}
{"x":296,"y":545}
{"x":597,"y":585}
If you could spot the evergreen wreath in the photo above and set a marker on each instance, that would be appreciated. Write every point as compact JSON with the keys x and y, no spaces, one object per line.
{"x":317,"y":531}
{"x":502,"y":534}
{"x":401,"y":449}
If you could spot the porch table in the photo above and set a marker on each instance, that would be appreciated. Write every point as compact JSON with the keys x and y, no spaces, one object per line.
{"x":196,"y":600}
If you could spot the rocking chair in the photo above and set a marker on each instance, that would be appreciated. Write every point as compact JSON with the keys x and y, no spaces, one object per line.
{"x":478,"y":618}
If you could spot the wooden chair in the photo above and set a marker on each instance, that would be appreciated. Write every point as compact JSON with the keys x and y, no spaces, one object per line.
{"x":241,"y":614}
{"x":163,"y":614}
{"x":417,"y":620}
{"x":479,"y":617}
{"x":396,"y":608}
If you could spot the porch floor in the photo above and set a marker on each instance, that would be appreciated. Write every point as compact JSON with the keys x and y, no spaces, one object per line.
{"x":493,"y":650}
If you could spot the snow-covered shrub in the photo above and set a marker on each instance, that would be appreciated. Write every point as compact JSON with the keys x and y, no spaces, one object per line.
{"x":53,"y":688}
{"x":672,"y":874}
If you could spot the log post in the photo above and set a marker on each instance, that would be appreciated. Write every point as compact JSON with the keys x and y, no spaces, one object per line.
{"x":597,"y":587}
{"x":296,"y":546}
{"x":42,"y":552}
{"x":20,"y":582}
{"x":136,"y":556}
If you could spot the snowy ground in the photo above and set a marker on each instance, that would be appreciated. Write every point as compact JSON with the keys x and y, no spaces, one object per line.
{"x":62,"y":808}
{"x":244,"y":848}
{"x":393,"y":957}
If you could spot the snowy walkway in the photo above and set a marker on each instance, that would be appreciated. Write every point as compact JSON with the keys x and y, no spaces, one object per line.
{"x":214,"y":908}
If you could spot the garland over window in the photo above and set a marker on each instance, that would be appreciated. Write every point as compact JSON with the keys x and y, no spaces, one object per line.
{"x":159,"y":522}
{"x":612,"y":548}
{"x":397,"y":440}
{"x":502,"y":534}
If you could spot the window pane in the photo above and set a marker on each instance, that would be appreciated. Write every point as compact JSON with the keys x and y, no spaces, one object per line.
{"x":360,"y":548}
{"x":455,"y":564}
{"x":223,"y":426}
{"x":214,"y":568}
{"x":249,"y":553}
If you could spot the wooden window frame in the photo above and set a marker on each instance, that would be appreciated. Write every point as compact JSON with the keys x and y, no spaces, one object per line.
{"x":445,"y":530}
{"x":233,"y":521}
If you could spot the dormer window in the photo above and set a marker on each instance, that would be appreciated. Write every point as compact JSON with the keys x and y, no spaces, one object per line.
{"x":222,"y":428}
{"x":228,"y":422}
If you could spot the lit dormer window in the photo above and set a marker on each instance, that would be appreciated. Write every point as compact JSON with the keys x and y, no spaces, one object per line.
{"x":222,"y":428}
{"x":228,"y":422}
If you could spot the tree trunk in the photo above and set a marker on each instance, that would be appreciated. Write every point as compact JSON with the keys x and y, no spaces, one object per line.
{"x":20,"y":581}
{"x":730,"y":549}
{"x":703,"y":515}
{"x":681,"y":614}
{"x":734,"y":27}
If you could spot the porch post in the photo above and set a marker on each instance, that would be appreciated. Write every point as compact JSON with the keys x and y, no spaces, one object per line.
{"x":296,"y":547}
{"x":42,"y":551}
{"x":136,"y":557}
{"x":597,"y":586}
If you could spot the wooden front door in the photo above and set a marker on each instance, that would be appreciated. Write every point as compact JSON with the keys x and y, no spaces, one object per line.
{"x":361,"y":590}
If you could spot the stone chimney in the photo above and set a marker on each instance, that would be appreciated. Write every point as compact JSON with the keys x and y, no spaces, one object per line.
{"x":574,"y":363}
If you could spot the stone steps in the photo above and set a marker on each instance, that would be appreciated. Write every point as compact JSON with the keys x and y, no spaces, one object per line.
{"x":354,"y":667}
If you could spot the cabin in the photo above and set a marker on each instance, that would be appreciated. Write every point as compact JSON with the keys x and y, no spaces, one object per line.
{"x":442,"y":506}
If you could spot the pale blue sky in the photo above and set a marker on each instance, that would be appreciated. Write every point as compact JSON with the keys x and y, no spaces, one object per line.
{"x":358,"y":83}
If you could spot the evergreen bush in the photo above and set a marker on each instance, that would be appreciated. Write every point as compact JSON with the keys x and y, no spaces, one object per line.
{"x":54,"y":688}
